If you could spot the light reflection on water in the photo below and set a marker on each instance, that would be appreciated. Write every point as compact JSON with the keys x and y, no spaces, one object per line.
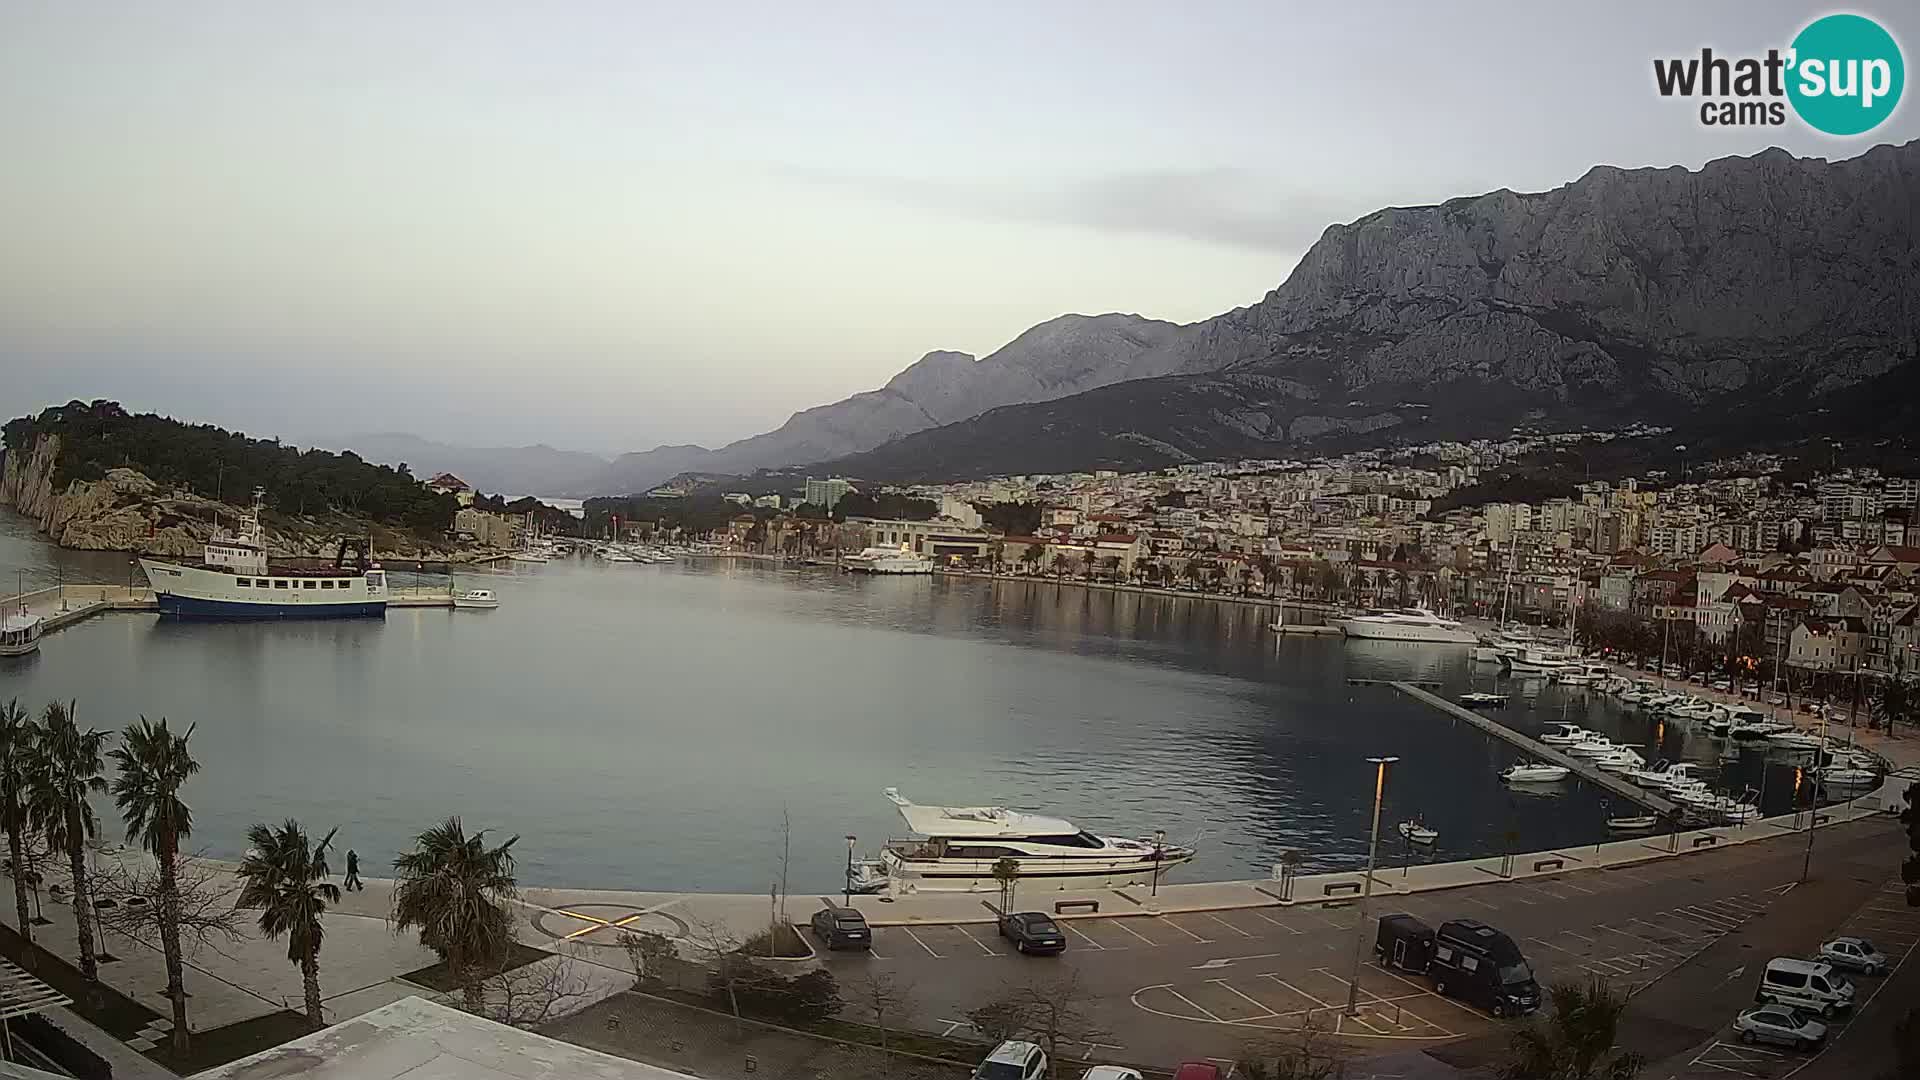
{"x":646,"y":726}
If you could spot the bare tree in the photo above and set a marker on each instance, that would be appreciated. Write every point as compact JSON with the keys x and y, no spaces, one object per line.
{"x":1053,"y":1011}
{"x":884,"y":998}
{"x":529,"y":996}
{"x":206,"y":913}
{"x":649,"y":953}
{"x":1306,"y":1054}
{"x":719,"y":947}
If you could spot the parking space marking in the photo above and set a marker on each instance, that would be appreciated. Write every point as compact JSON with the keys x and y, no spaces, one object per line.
{"x":1645,"y":942}
{"x":1225,"y":923}
{"x":1083,"y":936}
{"x":1195,"y":1005}
{"x":1288,"y":927}
{"x":1255,"y":1002}
{"x":1708,"y":918}
{"x":922,"y":944}
{"x":1122,"y":924}
{"x":984,"y":947}
{"x":1169,"y":922}
{"x":1582,"y":937}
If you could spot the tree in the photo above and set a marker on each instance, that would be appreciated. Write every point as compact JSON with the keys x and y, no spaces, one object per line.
{"x":1576,"y":1041}
{"x":884,"y":998}
{"x":453,"y":889}
{"x":1910,"y":869}
{"x":65,"y":770}
{"x":1032,"y":556}
{"x":1896,"y":700}
{"x":1087,"y":559}
{"x":649,"y":953}
{"x":1060,"y":563}
{"x":286,"y":878}
{"x":152,"y":764}
{"x":16,"y":755}
{"x":1053,"y":1011}
{"x":1301,"y":1055}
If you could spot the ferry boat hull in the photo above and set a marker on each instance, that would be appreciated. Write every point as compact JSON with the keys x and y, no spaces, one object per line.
{"x":188,"y":607}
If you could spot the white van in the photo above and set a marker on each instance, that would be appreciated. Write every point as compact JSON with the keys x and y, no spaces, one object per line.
{"x":1804,"y":984}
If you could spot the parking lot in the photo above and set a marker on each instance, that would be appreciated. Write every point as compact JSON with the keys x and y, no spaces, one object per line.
{"x":1886,"y":921}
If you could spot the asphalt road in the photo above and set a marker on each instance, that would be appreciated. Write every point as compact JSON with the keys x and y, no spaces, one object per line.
{"x":1183,"y":987}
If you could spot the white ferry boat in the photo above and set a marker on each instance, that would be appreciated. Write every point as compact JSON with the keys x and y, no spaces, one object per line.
{"x":961,"y":844}
{"x":886,"y":560}
{"x":234,"y":580}
{"x":1407,"y":624}
{"x":19,"y":632}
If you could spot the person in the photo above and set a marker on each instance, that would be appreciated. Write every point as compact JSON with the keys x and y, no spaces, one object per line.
{"x":353,"y":871}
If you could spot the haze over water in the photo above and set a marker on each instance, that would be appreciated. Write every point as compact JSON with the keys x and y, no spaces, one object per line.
{"x":647,"y":726}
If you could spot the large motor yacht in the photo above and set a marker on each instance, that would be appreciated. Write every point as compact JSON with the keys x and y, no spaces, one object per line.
{"x":886,"y":560}
{"x":959,"y":846}
{"x":1407,"y":624}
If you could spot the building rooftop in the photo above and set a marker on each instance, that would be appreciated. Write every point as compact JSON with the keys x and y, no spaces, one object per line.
{"x":420,"y":1040}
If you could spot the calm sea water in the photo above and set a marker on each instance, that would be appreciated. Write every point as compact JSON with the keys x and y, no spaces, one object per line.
{"x":652,"y":726}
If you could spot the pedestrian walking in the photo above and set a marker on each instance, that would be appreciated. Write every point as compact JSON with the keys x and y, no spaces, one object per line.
{"x":353,"y":871}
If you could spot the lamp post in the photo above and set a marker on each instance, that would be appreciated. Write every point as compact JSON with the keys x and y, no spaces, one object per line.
{"x":848,"y":900}
{"x":1813,"y":807}
{"x":1366,"y":889}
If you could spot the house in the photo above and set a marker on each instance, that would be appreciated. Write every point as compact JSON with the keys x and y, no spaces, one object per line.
{"x":1828,"y":644}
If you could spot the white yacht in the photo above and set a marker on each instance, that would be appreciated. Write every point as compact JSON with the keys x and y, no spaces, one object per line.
{"x":19,"y":632}
{"x":476,"y":599}
{"x":957,"y":847}
{"x":886,"y":560}
{"x":1407,"y":624}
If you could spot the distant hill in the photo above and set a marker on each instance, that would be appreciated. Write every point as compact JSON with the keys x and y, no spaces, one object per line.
{"x":511,"y":470}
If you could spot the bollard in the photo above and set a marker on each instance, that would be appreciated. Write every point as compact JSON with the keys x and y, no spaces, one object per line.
{"x":753,"y":1063}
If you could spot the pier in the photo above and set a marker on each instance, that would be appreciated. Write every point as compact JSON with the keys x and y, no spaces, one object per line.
{"x":1585,"y":770}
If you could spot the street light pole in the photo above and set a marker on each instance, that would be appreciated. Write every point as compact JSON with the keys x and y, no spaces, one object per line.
{"x":1366,"y":889}
{"x":1159,"y":847}
{"x":1813,"y":810}
{"x":848,"y":900}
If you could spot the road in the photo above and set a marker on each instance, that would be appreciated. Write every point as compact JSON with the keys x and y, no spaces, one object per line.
{"x":1204,"y":985}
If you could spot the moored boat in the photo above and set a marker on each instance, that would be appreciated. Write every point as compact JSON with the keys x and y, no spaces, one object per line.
{"x":236,"y":580}
{"x":957,"y":848}
{"x":476,"y":599}
{"x":1534,"y":773}
{"x":1417,"y":833}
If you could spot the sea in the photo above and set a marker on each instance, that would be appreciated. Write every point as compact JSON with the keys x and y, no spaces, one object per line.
{"x":690,"y":726}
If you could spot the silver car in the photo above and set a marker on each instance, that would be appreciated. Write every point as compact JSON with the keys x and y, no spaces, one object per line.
{"x":1780,"y":1024}
{"x":1854,"y":954}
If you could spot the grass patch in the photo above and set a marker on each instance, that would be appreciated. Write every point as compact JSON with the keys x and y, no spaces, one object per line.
{"x":437,"y":977}
{"x":102,"y":1005}
{"x":962,"y":1051}
{"x":210,"y":1049}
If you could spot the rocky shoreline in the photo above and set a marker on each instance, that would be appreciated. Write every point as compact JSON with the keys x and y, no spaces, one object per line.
{"x":127,"y":511}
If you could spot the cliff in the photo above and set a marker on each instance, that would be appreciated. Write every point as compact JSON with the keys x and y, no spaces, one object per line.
{"x":1735,"y":302}
{"x":127,"y":511}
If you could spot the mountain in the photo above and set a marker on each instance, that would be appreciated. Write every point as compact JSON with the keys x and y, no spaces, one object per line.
{"x":1741,"y":300}
{"x":509,"y":470}
{"x":1062,"y":356}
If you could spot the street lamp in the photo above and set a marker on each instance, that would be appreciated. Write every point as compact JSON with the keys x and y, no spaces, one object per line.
{"x":1366,"y":889}
{"x":849,"y":894}
{"x":1813,"y":811}
{"x":1159,"y":846}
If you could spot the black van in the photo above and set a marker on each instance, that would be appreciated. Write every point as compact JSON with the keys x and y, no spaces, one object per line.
{"x":1404,"y":942}
{"x":1476,"y":963}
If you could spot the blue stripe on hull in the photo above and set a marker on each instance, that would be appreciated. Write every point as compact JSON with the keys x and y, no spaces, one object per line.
{"x":185,"y":607}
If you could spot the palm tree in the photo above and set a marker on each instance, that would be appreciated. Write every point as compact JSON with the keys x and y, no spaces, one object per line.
{"x":16,"y":753}
{"x":286,"y":878}
{"x":451,"y":888}
{"x":1060,"y":563}
{"x":65,"y":770}
{"x":153,"y":764}
{"x":1576,"y":1042}
{"x":1087,"y":559}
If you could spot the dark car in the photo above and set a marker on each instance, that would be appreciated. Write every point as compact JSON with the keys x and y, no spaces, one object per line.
{"x":1033,"y":932}
{"x":842,"y":928}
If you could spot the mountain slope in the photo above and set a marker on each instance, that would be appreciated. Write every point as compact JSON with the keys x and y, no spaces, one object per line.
{"x":512,"y":470}
{"x":1059,"y":357}
{"x":1747,"y":288}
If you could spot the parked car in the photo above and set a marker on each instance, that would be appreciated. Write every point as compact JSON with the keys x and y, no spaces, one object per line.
{"x":1197,"y":1070}
{"x":841,"y":928}
{"x":1811,"y":985}
{"x":1033,"y":932}
{"x":1013,"y":1060}
{"x":1780,"y":1024}
{"x":1110,"y":1072}
{"x":1854,"y":954}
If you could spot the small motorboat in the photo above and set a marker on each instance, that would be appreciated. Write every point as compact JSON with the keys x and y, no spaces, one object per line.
{"x":1622,"y":759}
{"x":1564,"y":734}
{"x":1794,"y":740}
{"x":1632,"y":824}
{"x":1848,"y":776}
{"x":476,"y":599}
{"x":1534,"y":773}
{"x":1418,"y":833}
{"x":1479,"y":699}
{"x":1593,"y":747}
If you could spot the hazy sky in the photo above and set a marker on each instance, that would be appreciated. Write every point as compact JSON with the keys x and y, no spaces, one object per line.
{"x":612,"y":225}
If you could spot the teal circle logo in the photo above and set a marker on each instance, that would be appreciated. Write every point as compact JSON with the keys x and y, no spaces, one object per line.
{"x":1847,"y":74}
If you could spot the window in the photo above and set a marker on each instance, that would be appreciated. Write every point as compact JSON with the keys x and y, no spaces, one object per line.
{"x":327,"y":583}
{"x":243,"y":583}
{"x":279,"y":583}
{"x":309,"y":584}
{"x":1792,"y":979}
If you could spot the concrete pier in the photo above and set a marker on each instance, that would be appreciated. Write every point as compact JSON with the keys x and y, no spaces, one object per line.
{"x":1535,"y":748}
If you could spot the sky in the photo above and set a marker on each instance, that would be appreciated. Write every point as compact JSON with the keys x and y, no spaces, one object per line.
{"x":606,"y":226}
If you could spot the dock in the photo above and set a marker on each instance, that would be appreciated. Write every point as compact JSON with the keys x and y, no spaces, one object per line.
{"x":1538,"y":750}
